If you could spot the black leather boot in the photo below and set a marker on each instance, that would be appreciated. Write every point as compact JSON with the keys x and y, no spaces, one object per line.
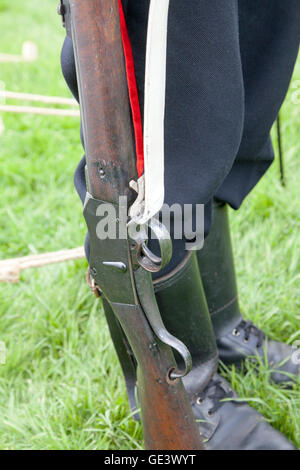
{"x":223,"y":425}
{"x":236,"y":337}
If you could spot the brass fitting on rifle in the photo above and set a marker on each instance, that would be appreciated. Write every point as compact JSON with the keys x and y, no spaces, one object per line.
{"x":92,"y":284}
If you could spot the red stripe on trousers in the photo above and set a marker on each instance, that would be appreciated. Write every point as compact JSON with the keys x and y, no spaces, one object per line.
{"x":133,"y":92}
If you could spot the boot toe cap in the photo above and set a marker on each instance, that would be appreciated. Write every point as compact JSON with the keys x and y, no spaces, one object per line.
{"x":284,"y":360}
{"x":242,"y":428}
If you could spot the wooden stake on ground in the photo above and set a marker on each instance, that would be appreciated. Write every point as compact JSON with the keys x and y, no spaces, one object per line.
{"x":38,"y":110}
{"x":38,"y":98}
{"x":10,"y":269}
{"x":42,"y":111}
{"x":29,"y":54}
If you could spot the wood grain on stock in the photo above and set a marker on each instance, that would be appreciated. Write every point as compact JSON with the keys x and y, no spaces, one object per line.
{"x":167,"y":416}
{"x":104,"y":98}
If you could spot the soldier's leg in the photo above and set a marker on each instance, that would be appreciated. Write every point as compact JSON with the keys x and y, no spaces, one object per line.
{"x":269,"y":40}
{"x":183,"y":306}
{"x":180,"y":292}
{"x":223,"y":424}
{"x":236,"y":338}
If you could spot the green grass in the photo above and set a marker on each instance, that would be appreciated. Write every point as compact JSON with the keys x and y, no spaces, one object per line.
{"x":61,"y":387}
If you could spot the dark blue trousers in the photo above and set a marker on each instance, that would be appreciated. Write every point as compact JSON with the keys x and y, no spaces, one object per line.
{"x":228,"y":70}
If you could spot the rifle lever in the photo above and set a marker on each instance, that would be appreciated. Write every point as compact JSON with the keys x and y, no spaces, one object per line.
{"x":145,"y":291}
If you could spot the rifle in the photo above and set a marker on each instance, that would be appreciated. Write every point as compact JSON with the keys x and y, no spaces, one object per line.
{"x":122,"y":266}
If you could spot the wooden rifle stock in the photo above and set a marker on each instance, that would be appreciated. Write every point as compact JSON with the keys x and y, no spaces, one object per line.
{"x":166,"y":412}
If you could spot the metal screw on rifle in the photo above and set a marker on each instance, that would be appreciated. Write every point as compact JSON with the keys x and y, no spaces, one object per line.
{"x":101,"y":173}
{"x":153,"y":347}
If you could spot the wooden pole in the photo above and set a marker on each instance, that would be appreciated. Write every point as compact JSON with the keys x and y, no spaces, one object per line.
{"x":41,"y":111}
{"x":29,"y":54}
{"x":38,"y":98}
{"x":10,"y":269}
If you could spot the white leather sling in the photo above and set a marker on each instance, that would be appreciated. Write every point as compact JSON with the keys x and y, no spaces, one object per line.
{"x":150,"y":186}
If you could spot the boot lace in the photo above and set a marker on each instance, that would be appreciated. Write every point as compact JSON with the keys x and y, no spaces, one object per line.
{"x":216,"y":393}
{"x":249,"y":330}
